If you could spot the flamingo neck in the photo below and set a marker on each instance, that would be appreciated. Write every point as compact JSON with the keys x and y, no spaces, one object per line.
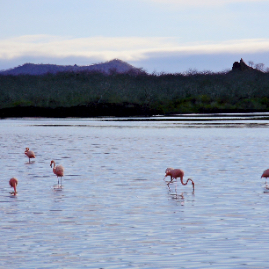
{"x":181,"y":179}
{"x":53,"y":168}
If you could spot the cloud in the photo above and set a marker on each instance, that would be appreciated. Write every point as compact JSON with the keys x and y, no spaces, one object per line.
{"x":127,"y":48}
{"x":59,"y":50}
{"x":104,"y":47}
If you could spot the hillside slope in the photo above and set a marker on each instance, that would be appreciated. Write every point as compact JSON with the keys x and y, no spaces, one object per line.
{"x":113,"y":66}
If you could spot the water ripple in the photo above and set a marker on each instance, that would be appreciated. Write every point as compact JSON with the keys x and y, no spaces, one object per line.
{"x":115,"y":210}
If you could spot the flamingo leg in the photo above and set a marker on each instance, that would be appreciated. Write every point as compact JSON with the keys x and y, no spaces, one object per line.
{"x":168,"y":184}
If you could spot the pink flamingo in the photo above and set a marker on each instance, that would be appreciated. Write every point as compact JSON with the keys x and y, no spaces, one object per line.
{"x":174,"y":174}
{"x":29,"y":153}
{"x":58,"y":171}
{"x":13,"y":182}
{"x":266,"y":175}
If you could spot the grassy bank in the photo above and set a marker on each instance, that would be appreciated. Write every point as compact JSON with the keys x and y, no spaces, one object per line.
{"x":96,"y":94}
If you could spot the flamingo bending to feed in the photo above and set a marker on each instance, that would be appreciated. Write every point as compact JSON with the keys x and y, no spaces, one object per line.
{"x":13,"y":182}
{"x":29,"y":153}
{"x":174,"y":174}
{"x":57,"y":170}
{"x":266,"y":175}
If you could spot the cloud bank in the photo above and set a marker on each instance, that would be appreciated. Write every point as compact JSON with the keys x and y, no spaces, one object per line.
{"x":39,"y":48}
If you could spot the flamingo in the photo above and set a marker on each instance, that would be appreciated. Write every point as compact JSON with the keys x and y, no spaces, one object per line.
{"x":175,"y":173}
{"x":29,"y":153}
{"x":13,"y":182}
{"x":266,"y":175}
{"x":58,"y":171}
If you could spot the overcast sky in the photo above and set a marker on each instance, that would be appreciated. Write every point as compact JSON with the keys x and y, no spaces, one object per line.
{"x":157,"y":35}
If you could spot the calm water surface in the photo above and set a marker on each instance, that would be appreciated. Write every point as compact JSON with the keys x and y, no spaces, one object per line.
{"x":115,"y":210}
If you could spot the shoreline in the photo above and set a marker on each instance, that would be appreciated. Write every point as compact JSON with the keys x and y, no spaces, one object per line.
{"x":120,"y":111}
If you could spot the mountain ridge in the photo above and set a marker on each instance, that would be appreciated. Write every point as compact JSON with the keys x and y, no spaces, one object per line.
{"x":115,"y":66}
{"x":109,"y":67}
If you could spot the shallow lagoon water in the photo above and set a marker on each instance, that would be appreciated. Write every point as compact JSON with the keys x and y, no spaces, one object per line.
{"x":115,"y":210}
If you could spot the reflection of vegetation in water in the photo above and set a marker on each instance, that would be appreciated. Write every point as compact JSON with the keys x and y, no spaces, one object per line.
{"x":166,"y":93}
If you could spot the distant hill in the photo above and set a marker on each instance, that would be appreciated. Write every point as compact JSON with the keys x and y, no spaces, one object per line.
{"x":113,"y":66}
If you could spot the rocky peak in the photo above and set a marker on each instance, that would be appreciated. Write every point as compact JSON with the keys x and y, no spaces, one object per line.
{"x":241,"y":66}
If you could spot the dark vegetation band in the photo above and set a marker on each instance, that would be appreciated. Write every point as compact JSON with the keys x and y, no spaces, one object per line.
{"x":86,"y":94}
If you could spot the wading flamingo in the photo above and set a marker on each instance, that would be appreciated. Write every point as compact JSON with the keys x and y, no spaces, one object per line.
{"x":13,"y":182}
{"x":58,"y":171}
{"x":265,"y":174}
{"x":29,"y":153}
{"x":174,"y":174}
